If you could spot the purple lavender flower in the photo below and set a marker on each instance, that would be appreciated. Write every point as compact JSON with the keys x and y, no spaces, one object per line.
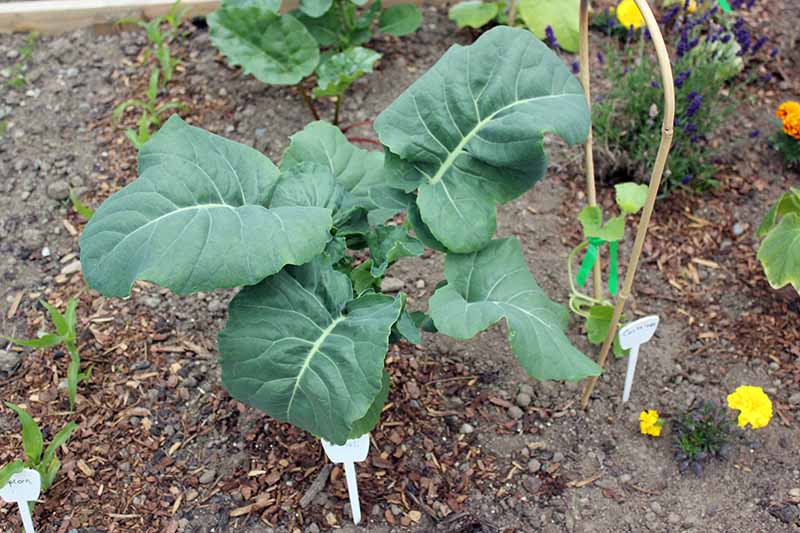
{"x":655,"y":85}
{"x":575,"y":67}
{"x":759,"y":43}
{"x":670,"y":15}
{"x":551,"y":37}
{"x":600,"y":58}
{"x":695,"y":101}
{"x":681,"y":78}
{"x":754,"y":133}
{"x":690,"y":128}
{"x":686,"y":179}
{"x":774,"y":52}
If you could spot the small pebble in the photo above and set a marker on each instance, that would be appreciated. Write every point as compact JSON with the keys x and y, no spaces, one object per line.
{"x":515,"y":412}
{"x":208,"y":477}
{"x":466,"y":429}
{"x":534,"y":465}
{"x":523,"y":399}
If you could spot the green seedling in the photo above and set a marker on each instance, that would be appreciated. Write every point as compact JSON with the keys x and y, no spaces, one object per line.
{"x":79,"y":207}
{"x":159,"y":40}
{"x":700,"y":433}
{"x":597,"y":314}
{"x":151,"y":112}
{"x":16,"y":74}
{"x":37,"y":457}
{"x":65,"y":335}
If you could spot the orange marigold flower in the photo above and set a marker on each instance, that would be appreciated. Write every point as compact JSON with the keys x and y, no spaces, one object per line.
{"x":791,"y":125}
{"x":788,"y":109}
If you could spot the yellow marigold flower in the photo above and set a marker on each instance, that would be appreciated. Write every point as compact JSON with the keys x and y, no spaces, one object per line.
{"x":791,"y":125}
{"x":788,"y":109}
{"x":692,"y":7}
{"x":629,"y":15}
{"x":754,"y":404}
{"x":649,"y":423}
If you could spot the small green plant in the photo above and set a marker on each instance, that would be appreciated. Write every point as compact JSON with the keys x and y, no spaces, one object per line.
{"x":308,"y":332}
{"x":151,"y":112}
{"x":79,"y":207}
{"x":701,"y":433}
{"x":554,"y":20}
{"x":708,"y":58}
{"x":66,"y":336}
{"x":779,"y":252}
{"x":322,"y":38}
{"x":37,"y":457}
{"x":597,"y":314}
{"x":16,"y":73}
{"x":160,"y":39}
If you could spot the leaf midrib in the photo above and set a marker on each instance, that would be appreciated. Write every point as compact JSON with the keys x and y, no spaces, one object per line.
{"x":453,"y":155}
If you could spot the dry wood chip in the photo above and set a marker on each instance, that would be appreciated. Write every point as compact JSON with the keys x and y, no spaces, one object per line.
{"x":14,"y":306}
{"x":86,"y":469}
{"x":262,"y":501}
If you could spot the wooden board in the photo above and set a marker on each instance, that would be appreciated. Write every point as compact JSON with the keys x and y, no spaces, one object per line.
{"x":58,"y":16}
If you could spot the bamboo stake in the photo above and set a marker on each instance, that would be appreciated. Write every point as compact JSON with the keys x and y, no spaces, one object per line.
{"x":655,"y":180}
{"x":591,"y":191}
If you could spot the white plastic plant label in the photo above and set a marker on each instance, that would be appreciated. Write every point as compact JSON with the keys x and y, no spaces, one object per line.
{"x":631,"y":337}
{"x":22,"y":488}
{"x":351,"y":452}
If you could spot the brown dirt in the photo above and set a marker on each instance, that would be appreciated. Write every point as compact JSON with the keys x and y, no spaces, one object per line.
{"x":155,"y":421}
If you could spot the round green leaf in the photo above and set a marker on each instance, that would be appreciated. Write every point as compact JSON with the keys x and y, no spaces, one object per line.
{"x":494,"y":283}
{"x":400,"y":19}
{"x":473,"y":13}
{"x":561,"y":15}
{"x":300,"y":349}
{"x":631,"y":197}
{"x":470,"y":130}
{"x":191,"y":219}
{"x":276,"y":49}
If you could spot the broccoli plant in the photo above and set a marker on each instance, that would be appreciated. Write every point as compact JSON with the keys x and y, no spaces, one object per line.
{"x":37,"y":457}
{"x":779,"y":252}
{"x":322,"y":38}
{"x":309,"y":239}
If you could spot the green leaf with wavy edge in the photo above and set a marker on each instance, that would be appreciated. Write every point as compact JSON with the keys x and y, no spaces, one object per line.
{"x":561,"y":15}
{"x":494,"y":283}
{"x":336,"y":73}
{"x":60,"y":438}
{"x":780,"y":253}
{"x":421,"y":231}
{"x":14,"y":467}
{"x":275,"y":49}
{"x":597,"y":324}
{"x":360,"y":172}
{"x":364,"y":425}
{"x":387,"y":244}
{"x":324,"y":29}
{"x":189,"y":221}
{"x":473,"y":13}
{"x":789,"y":202}
{"x":470,"y":131}
{"x":400,"y":19}
{"x":32,"y":442}
{"x":300,"y":348}
{"x":630,"y":196}
{"x":315,"y":8}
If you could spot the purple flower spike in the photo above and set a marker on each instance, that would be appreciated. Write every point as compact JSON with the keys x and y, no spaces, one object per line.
{"x":551,"y":37}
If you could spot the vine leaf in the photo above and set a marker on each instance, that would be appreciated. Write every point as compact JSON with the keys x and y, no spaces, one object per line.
{"x":473,"y":13}
{"x":470,"y":131}
{"x":190,"y":220}
{"x":591,"y":219}
{"x":315,"y":8}
{"x":561,"y":15}
{"x":630,"y":197}
{"x":780,"y":253}
{"x":597,"y":324}
{"x":276,"y":49}
{"x":298,"y":347}
{"x":494,"y":283}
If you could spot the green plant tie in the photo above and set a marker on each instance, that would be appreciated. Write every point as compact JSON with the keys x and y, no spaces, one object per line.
{"x":613,"y":280}
{"x":592,"y":253}
{"x":726,"y":7}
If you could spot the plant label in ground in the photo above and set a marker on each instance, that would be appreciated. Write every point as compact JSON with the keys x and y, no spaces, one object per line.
{"x":631,"y":337}
{"x":351,"y":452}
{"x":22,"y":488}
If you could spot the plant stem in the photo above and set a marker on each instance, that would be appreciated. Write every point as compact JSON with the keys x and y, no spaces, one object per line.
{"x":345,"y":129}
{"x":308,"y":101}
{"x":337,"y":110}
{"x":363,"y":140}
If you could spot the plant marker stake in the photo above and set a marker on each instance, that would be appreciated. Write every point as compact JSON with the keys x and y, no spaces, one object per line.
{"x":351,"y":452}
{"x":22,"y":488}
{"x":630,"y":338}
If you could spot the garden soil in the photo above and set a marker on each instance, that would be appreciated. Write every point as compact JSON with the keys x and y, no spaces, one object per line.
{"x":467,"y":442}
